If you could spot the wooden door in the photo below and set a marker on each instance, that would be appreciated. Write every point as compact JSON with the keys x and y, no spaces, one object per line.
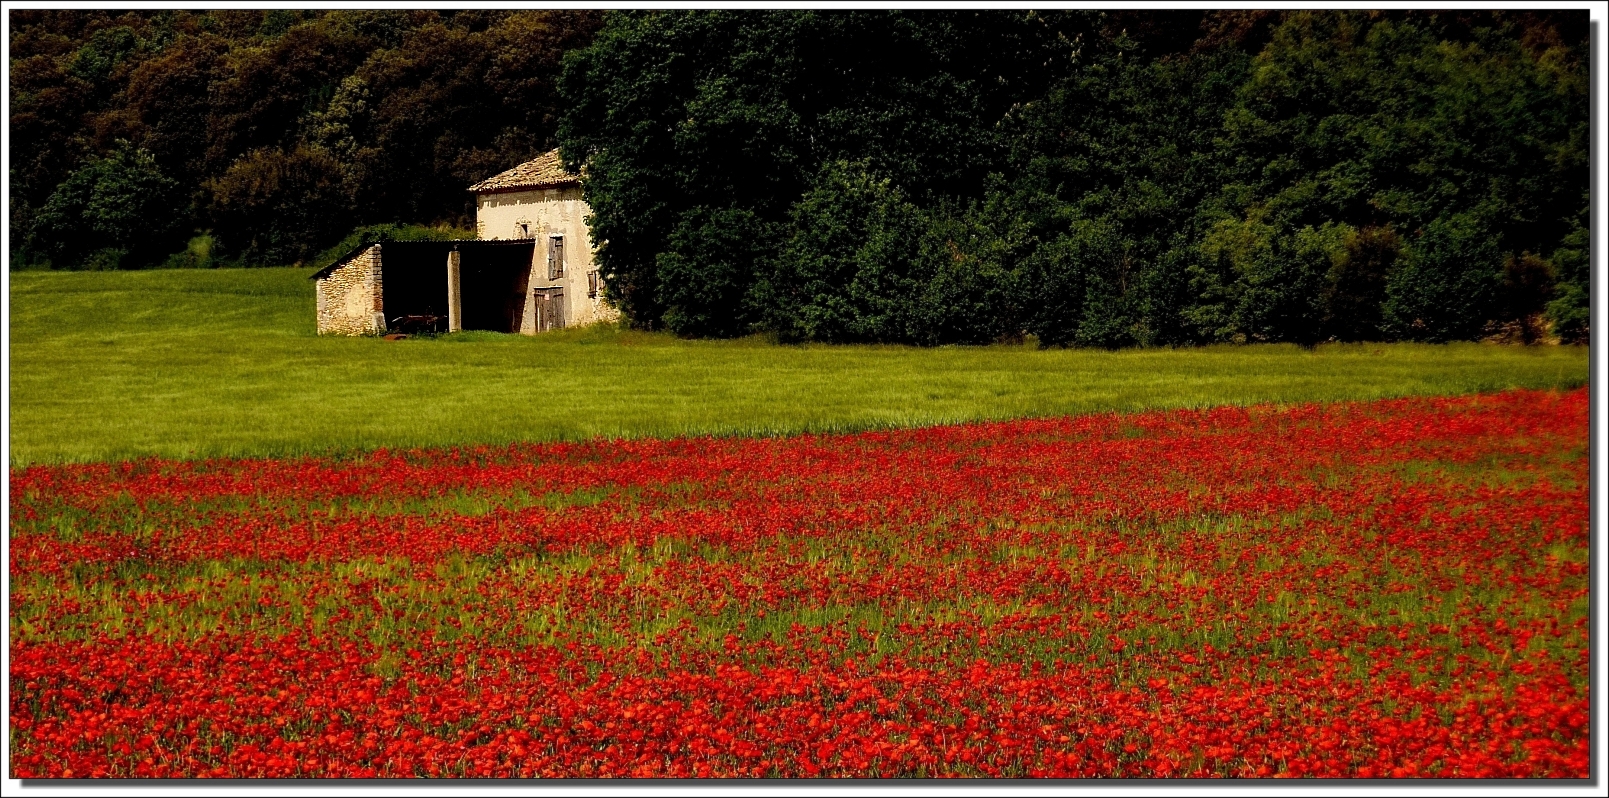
{"x":549,"y":309}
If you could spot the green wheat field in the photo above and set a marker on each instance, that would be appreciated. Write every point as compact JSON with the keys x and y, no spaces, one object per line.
{"x":206,"y":363}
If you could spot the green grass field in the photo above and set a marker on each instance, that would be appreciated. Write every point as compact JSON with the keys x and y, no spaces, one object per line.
{"x":113,"y":365}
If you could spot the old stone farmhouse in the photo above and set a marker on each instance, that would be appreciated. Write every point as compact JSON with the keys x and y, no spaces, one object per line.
{"x":528,"y":270}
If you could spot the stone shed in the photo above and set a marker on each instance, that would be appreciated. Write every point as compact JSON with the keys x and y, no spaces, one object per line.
{"x":528,"y":270}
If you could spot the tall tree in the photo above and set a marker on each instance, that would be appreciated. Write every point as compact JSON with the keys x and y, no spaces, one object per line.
{"x":1448,"y":130}
{"x":401,"y":110}
{"x":682,"y":117}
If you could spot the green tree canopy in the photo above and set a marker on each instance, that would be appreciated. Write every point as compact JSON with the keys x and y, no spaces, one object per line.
{"x":677,"y":115}
{"x":1090,"y":178}
{"x":400,"y":110}
{"x":114,"y":207}
{"x":1098,"y":179}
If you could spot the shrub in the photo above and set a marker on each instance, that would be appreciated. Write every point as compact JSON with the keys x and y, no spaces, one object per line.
{"x":276,"y":206}
{"x":1446,"y":286}
{"x":197,"y":254}
{"x":391,"y":231}
{"x":1070,"y":288}
{"x":968,"y":275}
{"x":1261,"y":282}
{"x":1570,"y":312}
{"x":1528,"y":285}
{"x":851,"y":268}
{"x":122,"y":202}
{"x":707,"y":271}
{"x":1356,"y":284}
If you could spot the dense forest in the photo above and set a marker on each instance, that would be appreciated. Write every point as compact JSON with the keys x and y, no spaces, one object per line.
{"x":273,"y":132}
{"x":1089,"y":178}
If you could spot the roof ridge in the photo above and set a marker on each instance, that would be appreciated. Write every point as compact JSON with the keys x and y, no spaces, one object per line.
{"x":546,"y":169}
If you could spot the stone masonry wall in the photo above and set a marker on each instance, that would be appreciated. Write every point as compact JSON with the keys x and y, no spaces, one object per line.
{"x":349,"y":298}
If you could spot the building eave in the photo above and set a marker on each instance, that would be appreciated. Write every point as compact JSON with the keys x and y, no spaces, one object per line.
{"x":517,"y":189}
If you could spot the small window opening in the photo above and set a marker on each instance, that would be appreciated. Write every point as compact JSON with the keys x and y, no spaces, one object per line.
{"x":592,"y":284}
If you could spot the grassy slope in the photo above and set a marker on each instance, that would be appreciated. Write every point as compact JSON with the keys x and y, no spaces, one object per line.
{"x":205,"y":363}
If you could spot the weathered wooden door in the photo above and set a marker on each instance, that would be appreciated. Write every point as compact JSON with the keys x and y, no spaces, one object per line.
{"x":549,"y":309}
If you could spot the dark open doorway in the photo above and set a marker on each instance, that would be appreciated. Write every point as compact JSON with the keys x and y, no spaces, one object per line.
{"x":413,"y":285}
{"x":493,"y":280}
{"x":492,"y":284}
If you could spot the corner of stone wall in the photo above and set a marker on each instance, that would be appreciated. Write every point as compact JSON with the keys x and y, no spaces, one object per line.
{"x":378,"y":284}
{"x":350,"y":297}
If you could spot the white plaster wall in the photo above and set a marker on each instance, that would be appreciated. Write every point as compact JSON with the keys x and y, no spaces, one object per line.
{"x":539,"y":214}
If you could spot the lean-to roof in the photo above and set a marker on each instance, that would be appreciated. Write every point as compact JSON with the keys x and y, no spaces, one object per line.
{"x":467,"y":244}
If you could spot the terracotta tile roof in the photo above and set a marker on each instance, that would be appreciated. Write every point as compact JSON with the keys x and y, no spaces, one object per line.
{"x":543,"y":170}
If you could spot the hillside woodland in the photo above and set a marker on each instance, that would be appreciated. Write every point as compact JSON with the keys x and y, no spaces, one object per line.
{"x":273,"y":132}
{"x":1090,"y":179}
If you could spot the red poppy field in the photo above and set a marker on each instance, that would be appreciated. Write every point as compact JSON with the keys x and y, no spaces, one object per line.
{"x":1381,"y":589}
